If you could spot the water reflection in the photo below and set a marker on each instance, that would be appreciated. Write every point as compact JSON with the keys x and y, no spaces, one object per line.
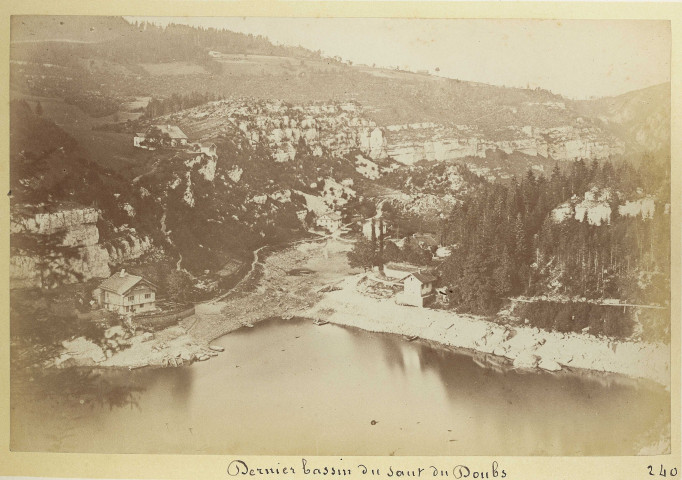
{"x":295,"y":388}
{"x":82,"y":386}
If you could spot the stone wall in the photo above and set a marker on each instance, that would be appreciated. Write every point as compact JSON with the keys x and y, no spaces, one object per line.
{"x":162,"y":320}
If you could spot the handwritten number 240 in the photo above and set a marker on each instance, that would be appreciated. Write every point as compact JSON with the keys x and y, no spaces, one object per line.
{"x":663,"y":472}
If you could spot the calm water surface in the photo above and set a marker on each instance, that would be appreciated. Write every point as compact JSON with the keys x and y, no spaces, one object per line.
{"x":295,"y":388}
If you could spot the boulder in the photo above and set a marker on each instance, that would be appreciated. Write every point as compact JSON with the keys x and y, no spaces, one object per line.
{"x":500,"y":351}
{"x":117,"y":331}
{"x":186,"y":356}
{"x":549,"y":365}
{"x":63,"y":361}
{"x":67,"y":363}
{"x":509,"y":334}
{"x":526,"y":360}
{"x":80,"y":349}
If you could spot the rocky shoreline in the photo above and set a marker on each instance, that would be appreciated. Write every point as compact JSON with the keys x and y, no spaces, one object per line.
{"x":268,"y":286}
{"x":277,"y":293}
{"x":524,"y":347}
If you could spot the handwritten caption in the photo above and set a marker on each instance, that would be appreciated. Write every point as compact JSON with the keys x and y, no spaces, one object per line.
{"x":662,"y":471}
{"x":239,"y":468}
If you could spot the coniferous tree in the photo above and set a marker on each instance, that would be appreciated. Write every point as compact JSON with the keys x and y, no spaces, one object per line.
{"x":363,"y":255}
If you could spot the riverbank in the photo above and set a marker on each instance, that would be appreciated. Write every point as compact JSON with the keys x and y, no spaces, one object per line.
{"x":273,"y":287}
{"x":526,"y":347}
{"x":291,"y":282}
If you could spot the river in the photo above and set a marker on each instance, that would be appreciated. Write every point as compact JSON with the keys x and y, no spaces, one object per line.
{"x":290,"y":387}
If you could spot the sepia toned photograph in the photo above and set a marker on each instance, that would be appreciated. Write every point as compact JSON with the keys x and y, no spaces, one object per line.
{"x":340,"y":236}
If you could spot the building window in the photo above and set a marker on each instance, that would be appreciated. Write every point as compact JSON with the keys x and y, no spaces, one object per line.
{"x":131,"y":298}
{"x":127,"y":309}
{"x":147,"y":296}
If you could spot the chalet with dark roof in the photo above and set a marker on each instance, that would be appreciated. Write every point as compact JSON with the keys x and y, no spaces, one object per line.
{"x":126,"y":294}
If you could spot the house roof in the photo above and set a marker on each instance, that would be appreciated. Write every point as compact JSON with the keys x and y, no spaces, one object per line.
{"x":422,"y":277}
{"x":121,"y":282}
{"x":426,"y":238}
{"x":173,"y":131}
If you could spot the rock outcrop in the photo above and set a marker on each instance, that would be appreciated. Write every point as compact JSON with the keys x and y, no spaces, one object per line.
{"x":49,"y":223}
{"x":63,"y":246}
{"x":596,"y":207}
{"x":335,"y":127}
{"x":409,"y":144}
{"x":340,"y":128}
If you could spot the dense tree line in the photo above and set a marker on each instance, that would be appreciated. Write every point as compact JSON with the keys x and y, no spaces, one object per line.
{"x":610,"y":320}
{"x":377,"y":250}
{"x":508,"y":244}
{"x":153,"y":43}
{"x":149,"y":43}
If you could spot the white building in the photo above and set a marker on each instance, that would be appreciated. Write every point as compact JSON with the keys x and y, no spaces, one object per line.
{"x":209,"y":149}
{"x":417,"y":290}
{"x":331,"y":221}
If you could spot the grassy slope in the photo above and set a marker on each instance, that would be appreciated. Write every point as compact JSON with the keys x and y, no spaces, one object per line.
{"x":108,"y":149}
{"x":640,"y":117}
{"x":391,"y":96}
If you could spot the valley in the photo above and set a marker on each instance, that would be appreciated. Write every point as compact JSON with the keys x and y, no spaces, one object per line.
{"x":171,"y":185}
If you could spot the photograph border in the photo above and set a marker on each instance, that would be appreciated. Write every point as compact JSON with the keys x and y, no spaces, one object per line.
{"x":215,"y":466}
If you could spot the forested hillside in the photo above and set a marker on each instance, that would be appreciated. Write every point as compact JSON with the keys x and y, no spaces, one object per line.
{"x":510,"y":240}
{"x":48,"y":167}
{"x":142,"y":42}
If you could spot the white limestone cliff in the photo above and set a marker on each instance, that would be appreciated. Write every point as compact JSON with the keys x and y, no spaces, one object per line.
{"x":72,"y":249}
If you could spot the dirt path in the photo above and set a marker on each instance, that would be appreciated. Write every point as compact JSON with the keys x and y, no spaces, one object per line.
{"x":256,"y":260}
{"x":274,"y":292}
{"x":246,"y":277}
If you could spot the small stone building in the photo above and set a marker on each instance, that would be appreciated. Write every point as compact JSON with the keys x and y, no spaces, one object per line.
{"x":417,"y":289}
{"x":209,"y":149}
{"x":396,"y":271}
